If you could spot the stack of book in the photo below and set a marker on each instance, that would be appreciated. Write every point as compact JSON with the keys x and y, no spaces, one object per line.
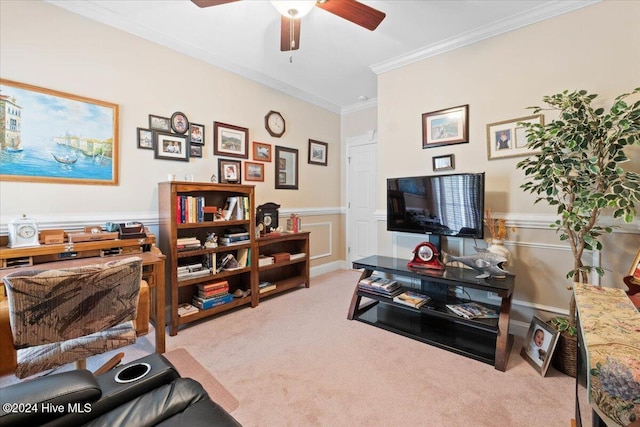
{"x":265,"y":286}
{"x":412,"y":299}
{"x":191,"y":271}
{"x":186,"y":309}
{"x":187,"y":244}
{"x":234,"y":236}
{"x":212,"y":294}
{"x":380,"y":286}
{"x":472,"y":310}
{"x":265,"y":260}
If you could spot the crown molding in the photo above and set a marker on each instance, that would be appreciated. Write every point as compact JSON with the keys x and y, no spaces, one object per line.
{"x":92,"y":10}
{"x":371,"y":103}
{"x":523,"y":19}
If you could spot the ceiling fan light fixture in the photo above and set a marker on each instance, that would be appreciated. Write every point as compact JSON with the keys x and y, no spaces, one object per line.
{"x":293,"y":9}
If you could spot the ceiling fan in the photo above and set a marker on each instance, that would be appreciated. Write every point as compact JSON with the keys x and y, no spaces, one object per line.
{"x":292,"y":11}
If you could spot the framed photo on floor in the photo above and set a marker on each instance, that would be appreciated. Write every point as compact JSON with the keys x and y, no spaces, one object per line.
{"x":539,"y":345}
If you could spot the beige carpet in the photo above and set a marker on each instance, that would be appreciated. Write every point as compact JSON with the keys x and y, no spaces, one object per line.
{"x":188,"y":367}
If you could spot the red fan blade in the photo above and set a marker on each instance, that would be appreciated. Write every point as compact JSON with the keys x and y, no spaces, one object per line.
{"x":207,"y":3}
{"x":354,"y":11}
{"x":285,"y":34}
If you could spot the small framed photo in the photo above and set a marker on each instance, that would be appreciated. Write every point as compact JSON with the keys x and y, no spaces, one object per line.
{"x":282,"y":178}
{"x":230,"y":140}
{"x":509,"y":138}
{"x":195,"y":150}
{"x":230,"y":171}
{"x":261,"y":151}
{"x":445,"y":127}
{"x":318,"y":152}
{"x":145,"y":138}
{"x":253,"y":171}
{"x":196,"y":133}
{"x":539,"y":345}
{"x":170,"y":146}
{"x":443,"y":163}
{"x":159,"y":123}
{"x":179,"y":123}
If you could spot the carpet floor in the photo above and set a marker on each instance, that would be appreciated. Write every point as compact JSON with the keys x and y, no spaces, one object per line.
{"x":296,"y":360}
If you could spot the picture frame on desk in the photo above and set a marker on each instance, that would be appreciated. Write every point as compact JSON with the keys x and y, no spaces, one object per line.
{"x":539,"y":345}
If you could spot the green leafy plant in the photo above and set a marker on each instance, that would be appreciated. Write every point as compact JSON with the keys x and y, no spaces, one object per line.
{"x":577,"y":169}
{"x":562,"y":324}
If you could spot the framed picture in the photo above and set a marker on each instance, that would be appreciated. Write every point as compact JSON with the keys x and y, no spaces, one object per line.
{"x":443,"y":163}
{"x":253,"y":171}
{"x":287,"y":173}
{"x":196,"y":133}
{"x":145,"y":138}
{"x":539,"y":345}
{"x":230,"y":171}
{"x":159,"y":123}
{"x":229,"y":140}
{"x":445,"y":127}
{"x":195,"y":150}
{"x":508,"y":138}
{"x":179,"y":123}
{"x":57,"y":137}
{"x":634,"y":271}
{"x":318,"y":152}
{"x":169,"y":146}
{"x":261,"y":151}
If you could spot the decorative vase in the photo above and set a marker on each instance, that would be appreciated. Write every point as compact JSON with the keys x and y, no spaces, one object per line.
{"x":497,"y":247}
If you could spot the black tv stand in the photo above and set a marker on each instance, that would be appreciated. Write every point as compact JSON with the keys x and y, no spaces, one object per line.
{"x":486,"y":340}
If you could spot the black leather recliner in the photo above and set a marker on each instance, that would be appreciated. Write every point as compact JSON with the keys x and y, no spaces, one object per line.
{"x":160,"y":397}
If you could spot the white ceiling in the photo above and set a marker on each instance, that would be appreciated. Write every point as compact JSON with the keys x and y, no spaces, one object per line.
{"x":337,"y":64}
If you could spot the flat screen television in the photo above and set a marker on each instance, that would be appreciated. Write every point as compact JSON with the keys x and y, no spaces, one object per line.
{"x":441,"y":205}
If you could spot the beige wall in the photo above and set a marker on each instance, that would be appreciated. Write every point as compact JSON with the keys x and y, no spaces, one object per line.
{"x":595,"y":48}
{"x":47,"y":46}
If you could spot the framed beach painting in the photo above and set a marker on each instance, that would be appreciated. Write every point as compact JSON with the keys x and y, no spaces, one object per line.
{"x":56,"y":137}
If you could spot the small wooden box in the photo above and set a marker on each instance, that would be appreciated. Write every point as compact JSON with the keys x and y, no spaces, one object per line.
{"x":281,"y":256}
{"x":50,"y":237}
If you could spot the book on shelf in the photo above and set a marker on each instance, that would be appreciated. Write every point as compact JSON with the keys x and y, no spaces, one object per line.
{"x":229,"y":206}
{"x":297,"y":256}
{"x":243,"y":257}
{"x":189,"y":209}
{"x":472,"y":310}
{"x":265,"y":286}
{"x":380,"y":284}
{"x":206,"y":303}
{"x":265,"y":260}
{"x":186,"y":309}
{"x":412,"y":299}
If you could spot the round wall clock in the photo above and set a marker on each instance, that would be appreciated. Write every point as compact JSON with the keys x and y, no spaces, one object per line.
{"x":179,"y":122}
{"x":274,"y":123}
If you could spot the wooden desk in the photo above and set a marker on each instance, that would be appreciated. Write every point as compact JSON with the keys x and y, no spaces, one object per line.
{"x":87,"y":253}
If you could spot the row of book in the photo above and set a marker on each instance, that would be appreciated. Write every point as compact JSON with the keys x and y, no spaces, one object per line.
{"x":190,"y":209}
{"x":212,"y":294}
{"x":236,"y":207}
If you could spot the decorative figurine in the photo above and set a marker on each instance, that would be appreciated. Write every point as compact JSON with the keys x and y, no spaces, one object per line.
{"x":212,"y":241}
{"x":487,"y":263}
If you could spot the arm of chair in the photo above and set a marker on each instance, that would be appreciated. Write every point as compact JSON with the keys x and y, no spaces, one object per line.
{"x":141,"y":323}
{"x":58,"y":390}
{"x":8,"y":355}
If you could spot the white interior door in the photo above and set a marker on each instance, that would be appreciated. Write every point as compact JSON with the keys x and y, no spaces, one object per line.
{"x":361,"y":230}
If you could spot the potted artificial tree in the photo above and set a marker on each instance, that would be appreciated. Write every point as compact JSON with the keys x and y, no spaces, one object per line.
{"x":578,"y":170}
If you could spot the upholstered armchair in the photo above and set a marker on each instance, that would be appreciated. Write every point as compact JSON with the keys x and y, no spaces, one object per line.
{"x":55,"y":317}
